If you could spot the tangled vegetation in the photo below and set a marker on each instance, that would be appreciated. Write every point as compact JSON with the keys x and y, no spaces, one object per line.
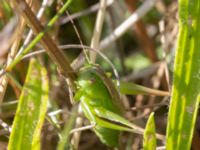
{"x":99,"y":74}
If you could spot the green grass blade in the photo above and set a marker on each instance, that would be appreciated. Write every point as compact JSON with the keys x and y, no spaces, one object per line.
{"x":64,"y":140}
{"x":133,"y":89}
{"x":31,"y":110}
{"x":149,"y":141}
{"x":186,"y":84}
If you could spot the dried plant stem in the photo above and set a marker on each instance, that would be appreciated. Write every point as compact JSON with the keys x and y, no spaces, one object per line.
{"x":156,"y":81}
{"x":30,"y":33}
{"x":82,"y":128}
{"x":98,"y":29}
{"x":120,"y":30}
{"x":78,"y":124}
{"x":51,"y":48}
{"x":8,"y":35}
{"x":127,"y":24}
{"x":11,"y":55}
{"x":88,"y":11}
{"x":145,"y":41}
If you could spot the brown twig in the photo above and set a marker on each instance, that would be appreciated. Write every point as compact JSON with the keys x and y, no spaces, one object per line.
{"x":141,"y":32}
{"x":49,"y":45}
